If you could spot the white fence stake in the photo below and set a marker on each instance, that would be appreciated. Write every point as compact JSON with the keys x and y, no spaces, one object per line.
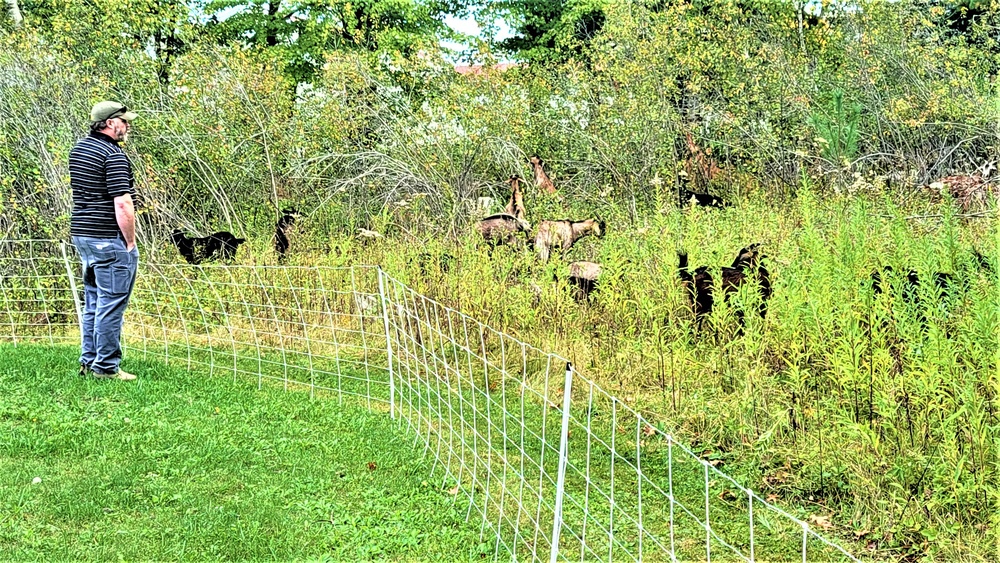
{"x":72,"y":285}
{"x":670,"y":494}
{"x":388,"y":343}
{"x":708,"y":524}
{"x":750,"y":502}
{"x":563,"y":458}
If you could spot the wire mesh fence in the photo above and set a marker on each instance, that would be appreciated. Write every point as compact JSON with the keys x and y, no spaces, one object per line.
{"x":548,"y":464}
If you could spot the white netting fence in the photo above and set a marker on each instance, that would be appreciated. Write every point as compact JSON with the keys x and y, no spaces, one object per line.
{"x":546,"y":473}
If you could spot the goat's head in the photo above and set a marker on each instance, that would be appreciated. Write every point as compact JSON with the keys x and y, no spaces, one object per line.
{"x":288,"y":217}
{"x":536,"y":160}
{"x":600,"y":227}
{"x":177,"y":236}
{"x":515,"y":182}
{"x":682,"y":260}
{"x":749,"y":256}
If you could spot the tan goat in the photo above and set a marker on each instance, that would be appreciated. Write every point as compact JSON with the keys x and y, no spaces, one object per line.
{"x":541,"y":178}
{"x":562,"y":235}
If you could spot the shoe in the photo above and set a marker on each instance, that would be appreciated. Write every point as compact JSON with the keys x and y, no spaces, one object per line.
{"x":120,"y":375}
{"x":84,"y":371}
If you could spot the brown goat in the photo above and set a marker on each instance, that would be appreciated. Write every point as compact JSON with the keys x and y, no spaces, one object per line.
{"x":700,"y":167}
{"x":502,"y":228}
{"x":583,"y":277}
{"x":970,"y":191}
{"x":699,"y":171}
{"x":744,"y":268}
{"x":563,"y":234}
{"x":541,"y":178}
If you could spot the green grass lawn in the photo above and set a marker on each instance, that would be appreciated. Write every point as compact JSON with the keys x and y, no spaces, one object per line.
{"x":178,"y":465}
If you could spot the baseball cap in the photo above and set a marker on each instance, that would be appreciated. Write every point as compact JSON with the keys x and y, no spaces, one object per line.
{"x":103,"y":111}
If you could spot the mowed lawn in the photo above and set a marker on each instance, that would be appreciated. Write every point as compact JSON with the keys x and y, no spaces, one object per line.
{"x":178,"y":465}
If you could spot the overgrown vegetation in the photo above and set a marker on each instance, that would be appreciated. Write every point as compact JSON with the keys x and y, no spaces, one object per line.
{"x":824,"y":122}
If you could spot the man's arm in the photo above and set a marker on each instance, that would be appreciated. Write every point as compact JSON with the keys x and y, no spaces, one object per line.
{"x":125,"y":215}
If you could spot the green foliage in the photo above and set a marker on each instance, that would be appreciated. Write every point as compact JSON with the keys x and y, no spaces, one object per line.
{"x":838,"y":129}
{"x":548,"y":30}
{"x":114,"y":37}
{"x":303,"y":32}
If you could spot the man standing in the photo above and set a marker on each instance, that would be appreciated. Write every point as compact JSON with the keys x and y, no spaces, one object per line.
{"x":103,"y":231}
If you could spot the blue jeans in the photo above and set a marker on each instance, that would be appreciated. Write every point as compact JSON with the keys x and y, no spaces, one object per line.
{"x":108,"y":278}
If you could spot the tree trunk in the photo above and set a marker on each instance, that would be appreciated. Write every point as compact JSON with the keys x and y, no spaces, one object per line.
{"x":15,"y":12}
{"x":271,"y":38}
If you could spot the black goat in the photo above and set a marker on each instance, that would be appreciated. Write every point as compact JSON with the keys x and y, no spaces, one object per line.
{"x":699,"y":287}
{"x":983,"y":262}
{"x":702,"y":200}
{"x":282,"y":231}
{"x":911,"y":283}
{"x":908,"y":287}
{"x":745,"y":268}
{"x":196,"y":250}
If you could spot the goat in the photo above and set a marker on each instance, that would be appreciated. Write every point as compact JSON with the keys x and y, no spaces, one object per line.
{"x":699,"y":167}
{"x":515,"y":206}
{"x":686,"y":196}
{"x":564,"y":234}
{"x":583,"y":277}
{"x":744,"y":267}
{"x":747,"y":264}
{"x":968,"y":190}
{"x":909,"y":291}
{"x":983,"y":262}
{"x":699,"y":171}
{"x":427,"y":262}
{"x":699,"y":287}
{"x":282,"y":230}
{"x":367,"y":235}
{"x":195,"y":250}
{"x":907,"y":286}
{"x":502,"y":228}
{"x":541,"y":178}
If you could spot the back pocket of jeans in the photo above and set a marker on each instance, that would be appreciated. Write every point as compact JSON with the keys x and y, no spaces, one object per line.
{"x":121,"y":273}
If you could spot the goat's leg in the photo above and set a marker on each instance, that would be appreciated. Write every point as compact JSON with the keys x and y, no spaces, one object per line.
{"x":543,"y":253}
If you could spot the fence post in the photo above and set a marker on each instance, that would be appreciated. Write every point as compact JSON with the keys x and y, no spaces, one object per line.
{"x":72,"y":285}
{"x":388,"y":342}
{"x":563,"y":459}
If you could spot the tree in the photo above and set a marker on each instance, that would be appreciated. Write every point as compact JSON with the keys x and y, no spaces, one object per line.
{"x":154,"y":30}
{"x":305,"y":30}
{"x":548,"y":30}
{"x":15,"y":12}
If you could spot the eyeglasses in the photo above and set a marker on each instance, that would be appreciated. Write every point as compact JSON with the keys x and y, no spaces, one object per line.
{"x":118,"y":112}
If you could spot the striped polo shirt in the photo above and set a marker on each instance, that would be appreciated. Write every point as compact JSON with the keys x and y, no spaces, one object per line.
{"x":99,"y":172}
